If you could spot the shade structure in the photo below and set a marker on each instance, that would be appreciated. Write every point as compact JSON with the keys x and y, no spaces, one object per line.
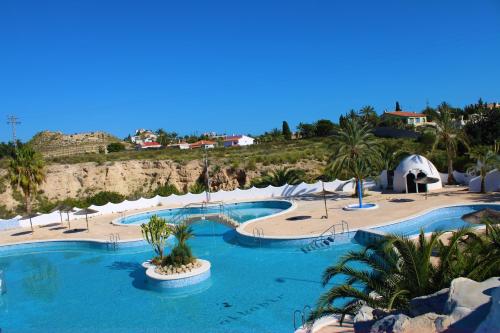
{"x":30,"y":216}
{"x":86,"y":212}
{"x":412,"y":168}
{"x":62,"y":208}
{"x":427,"y":180}
{"x":483,"y":215}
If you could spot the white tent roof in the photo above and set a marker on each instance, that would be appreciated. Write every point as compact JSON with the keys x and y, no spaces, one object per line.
{"x":415,"y":164}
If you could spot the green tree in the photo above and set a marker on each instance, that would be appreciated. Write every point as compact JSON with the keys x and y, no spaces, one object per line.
{"x":286,"y":131}
{"x":324,"y":127}
{"x":369,"y":116}
{"x":27,"y":173}
{"x":280,"y":177}
{"x":115,"y":147}
{"x":398,"y":107}
{"x":306,"y":130}
{"x":393,"y":271}
{"x":156,"y":233}
{"x":356,"y":152}
{"x":448,"y":133}
{"x":487,"y":160}
{"x":181,"y":254}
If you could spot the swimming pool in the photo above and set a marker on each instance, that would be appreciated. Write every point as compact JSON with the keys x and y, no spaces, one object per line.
{"x":241,"y":212}
{"x":86,"y":287}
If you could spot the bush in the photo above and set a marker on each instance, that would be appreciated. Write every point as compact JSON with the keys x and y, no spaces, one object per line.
{"x":103,"y":197}
{"x":115,"y":147}
{"x":180,"y":255}
{"x":166,"y":190}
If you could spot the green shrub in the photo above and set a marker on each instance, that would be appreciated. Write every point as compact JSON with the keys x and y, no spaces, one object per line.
{"x":115,"y":147}
{"x":166,"y":190}
{"x":103,"y":197}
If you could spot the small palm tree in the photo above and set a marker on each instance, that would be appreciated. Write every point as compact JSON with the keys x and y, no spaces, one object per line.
{"x":27,"y":173}
{"x":394,"y":270}
{"x":487,"y":160}
{"x":281,"y":177}
{"x":183,"y":233}
{"x":156,"y":233}
{"x":356,"y":151}
{"x":449,"y":133}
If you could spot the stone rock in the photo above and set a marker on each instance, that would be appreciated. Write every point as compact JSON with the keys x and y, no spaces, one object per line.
{"x":469,"y":294}
{"x":363,"y":319}
{"x":429,"y":303}
{"x":491,"y":324}
{"x":391,"y":323}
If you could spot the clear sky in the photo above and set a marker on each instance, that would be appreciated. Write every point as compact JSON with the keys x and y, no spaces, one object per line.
{"x":237,"y":66}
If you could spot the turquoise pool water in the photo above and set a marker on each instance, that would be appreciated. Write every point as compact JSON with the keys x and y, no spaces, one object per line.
{"x":242,"y":212}
{"x":86,"y":287}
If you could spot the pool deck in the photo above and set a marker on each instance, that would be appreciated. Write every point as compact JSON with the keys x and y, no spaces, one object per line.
{"x":277,"y":226}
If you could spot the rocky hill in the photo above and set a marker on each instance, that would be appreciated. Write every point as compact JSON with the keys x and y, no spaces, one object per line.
{"x":136,"y":177}
{"x":55,"y":144}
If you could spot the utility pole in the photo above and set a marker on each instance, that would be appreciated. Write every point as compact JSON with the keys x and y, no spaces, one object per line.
{"x":13,"y":121}
{"x":207,"y":176}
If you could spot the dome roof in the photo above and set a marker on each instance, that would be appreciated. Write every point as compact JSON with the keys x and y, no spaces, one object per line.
{"x":415,"y":164}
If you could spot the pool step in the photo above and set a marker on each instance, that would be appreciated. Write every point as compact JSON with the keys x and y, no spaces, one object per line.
{"x":326,"y":238}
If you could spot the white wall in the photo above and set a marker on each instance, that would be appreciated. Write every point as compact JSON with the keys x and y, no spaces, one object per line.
{"x":492,"y":182}
{"x":253,"y":193}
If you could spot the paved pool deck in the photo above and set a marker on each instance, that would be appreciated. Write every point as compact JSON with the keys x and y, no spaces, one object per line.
{"x":278,"y":226}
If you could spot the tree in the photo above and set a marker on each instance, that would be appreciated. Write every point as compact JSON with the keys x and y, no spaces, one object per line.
{"x":369,"y":115}
{"x":324,"y":127}
{"x":115,"y":147}
{"x":286,"y":131}
{"x":306,"y":130}
{"x":181,"y":253}
{"x":394,"y":270}
{"x":27,"y":173}
{"x":356,"y":151}
{"x":487,"y":160}
{"x":156,"y":233}
{"x":448,"y":133}
{"x":398,"y":107}
{"x":280,"y":177}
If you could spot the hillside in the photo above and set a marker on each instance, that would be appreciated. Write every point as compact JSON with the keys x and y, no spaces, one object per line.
{"x":57,"y":144}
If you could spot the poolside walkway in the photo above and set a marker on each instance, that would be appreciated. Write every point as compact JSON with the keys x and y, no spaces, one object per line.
{"x":101,"y":227}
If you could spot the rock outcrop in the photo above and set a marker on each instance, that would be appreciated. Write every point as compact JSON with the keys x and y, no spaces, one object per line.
{"x":467,"y":306}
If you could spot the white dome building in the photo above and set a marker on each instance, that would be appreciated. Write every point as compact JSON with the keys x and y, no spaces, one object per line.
{"x":411,"y":168}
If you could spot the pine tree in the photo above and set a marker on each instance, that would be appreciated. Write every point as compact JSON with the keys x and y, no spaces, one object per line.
{"x":286,"y":131}
{"x":398,"y":108}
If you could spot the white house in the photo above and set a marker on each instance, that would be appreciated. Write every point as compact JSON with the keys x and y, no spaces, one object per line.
{"x":180,"y":145}
{"x":411,"y":168}
{"x":238,"y":140}
{"x":143,"y":135}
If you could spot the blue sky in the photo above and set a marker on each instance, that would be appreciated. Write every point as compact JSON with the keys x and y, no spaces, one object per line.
{"x":237,"y":66}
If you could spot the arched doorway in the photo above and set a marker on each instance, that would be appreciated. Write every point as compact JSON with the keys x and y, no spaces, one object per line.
{"x":411,"y":187}
{"x":422,"y":188}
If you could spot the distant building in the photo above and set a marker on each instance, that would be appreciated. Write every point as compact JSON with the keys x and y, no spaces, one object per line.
{"x":410,"y":118}
{"x":148,"y":145}
{"x":492,"y":106}
{"x":238,"y":140}
{"x":143,"y":135}
{"x":205,"y":144}
{"x":180,"y":145}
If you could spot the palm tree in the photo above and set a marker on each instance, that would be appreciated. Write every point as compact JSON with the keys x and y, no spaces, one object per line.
{"x":280,"y":177}
{"x":183,"y":233}
{"x":487,"y":160}
{"x":369,"y":115}
{"x":394,"y":270}
{"x":356,"y":152}
{"x":448,"y":133}
{"x":27,"y":173}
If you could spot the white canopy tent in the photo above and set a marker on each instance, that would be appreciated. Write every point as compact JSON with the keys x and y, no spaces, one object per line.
{"x":411,"y":168}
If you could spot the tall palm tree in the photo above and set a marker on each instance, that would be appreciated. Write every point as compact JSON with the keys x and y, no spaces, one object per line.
{"x":355,"y":152}
{"x":394,"y":270}
{"x":27,"y":173}
{"x":281,"y":177}
{"x":369,"y":115}
{"x":449,"y":133}
{"x":487,"y":160}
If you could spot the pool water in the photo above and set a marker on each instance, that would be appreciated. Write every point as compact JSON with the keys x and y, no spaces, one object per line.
{"x":86,"y":287}
{"x":241,"y":212}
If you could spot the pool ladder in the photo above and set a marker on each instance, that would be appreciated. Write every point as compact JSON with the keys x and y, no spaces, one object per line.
{"x":258,"y":234}
{"x":327,"y":237}
{"x":113,"y":241}
{"x":302,"y":317}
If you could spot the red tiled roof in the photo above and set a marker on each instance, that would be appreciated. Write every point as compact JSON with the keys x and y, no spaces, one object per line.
{"x":201,"y":143}
{"x":405,"y":114}
{"x":149,"y":144}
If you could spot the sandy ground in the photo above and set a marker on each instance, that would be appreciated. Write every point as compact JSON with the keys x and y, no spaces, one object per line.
{"x":313,"y":206}
{"x":392,"y":206}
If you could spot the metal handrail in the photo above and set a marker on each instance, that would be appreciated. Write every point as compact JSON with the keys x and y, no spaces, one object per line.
{"x":330,"y":232}
{"x":303,"y":318}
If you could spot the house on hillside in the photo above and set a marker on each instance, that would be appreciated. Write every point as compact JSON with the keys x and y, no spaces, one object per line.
{"x":180,"y":145}
{"x":410,"y":118}
{"x":143,"y":135}
{"x":238,"y":140}
{"x":148,"y":145}
{"x":205,"y":144}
